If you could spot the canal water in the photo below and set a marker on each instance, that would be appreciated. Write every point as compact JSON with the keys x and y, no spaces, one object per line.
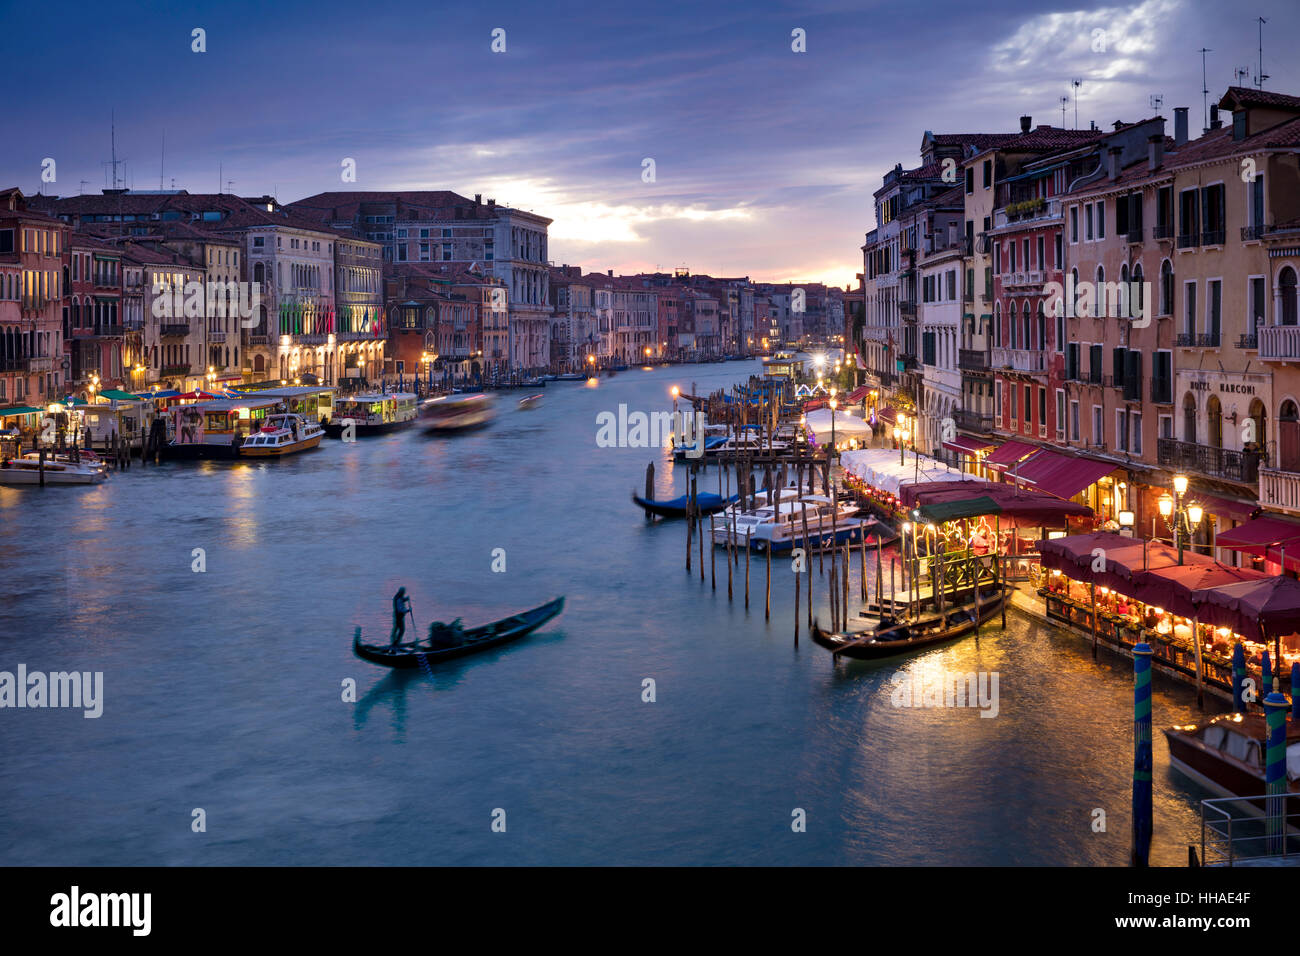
{"x":224,"y":688}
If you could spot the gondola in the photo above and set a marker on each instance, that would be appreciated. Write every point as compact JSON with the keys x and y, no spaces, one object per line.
{"x":706,"y":503}
{"x":891,"y":638}
{"x":471,"y":640}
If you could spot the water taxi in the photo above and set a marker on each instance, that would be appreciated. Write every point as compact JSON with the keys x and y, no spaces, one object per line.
{"x":373,"y":413}
{"x":1225,"y":754}
{"x":59,"y":470}
{"x":454,"y":413}
{"x":780,"y":526}
{"x":283,"y":434}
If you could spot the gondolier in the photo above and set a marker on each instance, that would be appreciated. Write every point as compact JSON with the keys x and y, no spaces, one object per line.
{"x":401,"y":608}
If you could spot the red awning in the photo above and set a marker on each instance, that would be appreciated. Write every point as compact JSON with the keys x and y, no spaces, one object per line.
{"x":1010,"y":453}
{"x":1263,"y":609}
{"x":1035,"y":467}
{"x":858,"y":394}
{"x":1257,"y":536}
{"x":887,"y":414}
{"x":1068,"y":476}
{"x":968,"y":445}
{"x":1228,"y":507}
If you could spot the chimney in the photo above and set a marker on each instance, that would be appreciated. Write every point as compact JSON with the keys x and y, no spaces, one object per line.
{"x":1026,"y":123}
{"x":611,"y":273}
{"x":1112,"y":163}
{"x":1118,"y":124}
{"x":492,"y":203}
{"x":1215,"y":122}
{"x":478,"y":199}
{"x":1180,"y":126}
{"x":1155,"y":152}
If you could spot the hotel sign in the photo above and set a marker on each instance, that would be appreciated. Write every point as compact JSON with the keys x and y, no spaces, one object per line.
{"x":1234,"y":388}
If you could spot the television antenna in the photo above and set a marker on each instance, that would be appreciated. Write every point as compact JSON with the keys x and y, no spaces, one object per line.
{"x":1076,"y":84}
{"x":1205,"y":89}
{"x":1065,"y":101}
{"x":1157,"y":101}
{"x":1261,"y":76}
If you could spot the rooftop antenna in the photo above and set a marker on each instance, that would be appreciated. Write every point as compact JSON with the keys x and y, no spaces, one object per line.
{"x":1205,"y":89}
{"x":162,"y":160}
{"x":1076,"y":84}
{"x":220,"y":172}
{"x":1065,"y":101}
{"x":1239,"y":74}
{"x":114,"y":162}
{"x":1261,"y":76}
{"x":81,"y":190}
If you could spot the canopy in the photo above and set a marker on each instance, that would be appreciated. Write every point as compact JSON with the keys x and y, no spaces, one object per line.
{"x":888,"y":414}
{"x":846,"y":425}
{"x":858,"y":394}
{"x":1262,"y":609}
{"x":1175,"y":588}
{"x":1258,"y":535}
{"x":879,"y":468}
{"x":1010,"y":453}
{"x":968,"y":444}
{"x":18,"y":410}
{"x":1019,"y":507}
{"x":1062,"y":475}
{"x":117,"y":395}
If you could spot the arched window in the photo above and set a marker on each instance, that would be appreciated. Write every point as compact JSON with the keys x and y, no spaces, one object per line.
{"x":1013,"y":325}
{"x":1074,"y":304}
{"x":1189,"y":419}
{"x":1214,"y":422}
{"x":1288,"y":436}
{"x":1257,"y":417}
{"x":1042,"y":329}
{"x":997,"y":324}
{"x":1138,"y":291}
{"x":1286,"y":285}
{"x":1166,"y":288}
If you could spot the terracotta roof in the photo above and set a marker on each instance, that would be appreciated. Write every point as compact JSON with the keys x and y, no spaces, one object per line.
{"x":1244,"y":96}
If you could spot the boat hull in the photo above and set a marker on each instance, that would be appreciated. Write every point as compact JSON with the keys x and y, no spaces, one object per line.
{"x":335,"y":428}
{"x":279,"y":451}
{"x":474,"y":640}
{"x":864,"y":647}
{"x":22,"y":477}
{"x":676,"y":507}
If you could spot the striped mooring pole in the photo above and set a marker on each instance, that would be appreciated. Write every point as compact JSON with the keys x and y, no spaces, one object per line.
{"x":1275,"y":707}
{"x":1295,"y":691}
{"x":1238,"y":679}
{"x":1140,"y":851}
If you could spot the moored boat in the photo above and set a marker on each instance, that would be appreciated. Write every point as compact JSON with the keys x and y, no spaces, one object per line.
{"x":283,"y":434}
{"x":891,"y":638}
{"x":450,"y":641}
{"x":61,"y":470}
{"x":780,"y":526}
{"x":373,"y":413}
{"x":706,"y":502}
{"x":1226,"y":754}
{"x":455,"y":413}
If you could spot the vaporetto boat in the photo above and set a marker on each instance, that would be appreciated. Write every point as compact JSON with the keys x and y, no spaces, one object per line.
{"x":373,"y":413}
{"x":282,"y":435}
{"x":780,"y":526}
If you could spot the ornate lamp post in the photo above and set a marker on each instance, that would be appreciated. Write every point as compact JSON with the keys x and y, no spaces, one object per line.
{"x":901,"y":434}
{"x":1182,"y":517}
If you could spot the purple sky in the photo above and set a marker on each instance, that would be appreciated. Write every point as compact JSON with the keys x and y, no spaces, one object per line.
{"x":765,"y":159}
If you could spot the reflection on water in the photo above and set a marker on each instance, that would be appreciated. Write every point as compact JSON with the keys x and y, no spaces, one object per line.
{"x":224,"y":689}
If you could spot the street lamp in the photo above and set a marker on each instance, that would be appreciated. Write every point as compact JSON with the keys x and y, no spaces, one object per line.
{"x":1182,"y":517}
{"x":901,"y":435}
{"x":834,"y":405}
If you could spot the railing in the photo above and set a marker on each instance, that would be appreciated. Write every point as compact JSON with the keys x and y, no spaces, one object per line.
{"x":907,"y":308}
{"x":980,"y":422}
{"x":175,"y":328}
{"x":1162,"y":391}
{"x":1188,"y":240}
{"x":1050,"y":210}
{"x":1279,"y":489}
{"x":972,"y":360}
{"x":1247,"y":341}
{"x":174,"y":370}
{"x":1198,"y":340}
{"x":1253,"y":232}
{"x":1233,"y":831}
{"x":108,"y":331}
{"x":259,"y":340}
{"x":1242,"y":466}
{"x":1279,"y":342}
{"x":1133,"y":235}
{"x":1212,"y":237}
{"x":1020,"y":360}
{"x":1165,"y":231}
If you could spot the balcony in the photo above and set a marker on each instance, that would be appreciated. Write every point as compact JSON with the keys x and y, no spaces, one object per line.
{"x":1189,"y":240}
{"x":1212,"y":237}
{"x":1197,"y":340}
{"x":175,"y":329}
{"x":1019,"y":360}
{"x":907,"y":308}
{"x":1162,"y":391}
{"x":1240,"y":466}
{"x":1133,"y":235}
{"x":910,"y":362}
{"x":1279,"y":489}
{"x":1247,"y":341}
{"x":972,"y":360}
{"x":1249,"y":233}
{"x":1162,"y":231}
{"x":259,"y":340}
{"x":979,"y":422}
{"x":1051,"y":209}
{"x":174,"y":370}
{"x":32,"y":363}
{"x":1279,"y":343}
